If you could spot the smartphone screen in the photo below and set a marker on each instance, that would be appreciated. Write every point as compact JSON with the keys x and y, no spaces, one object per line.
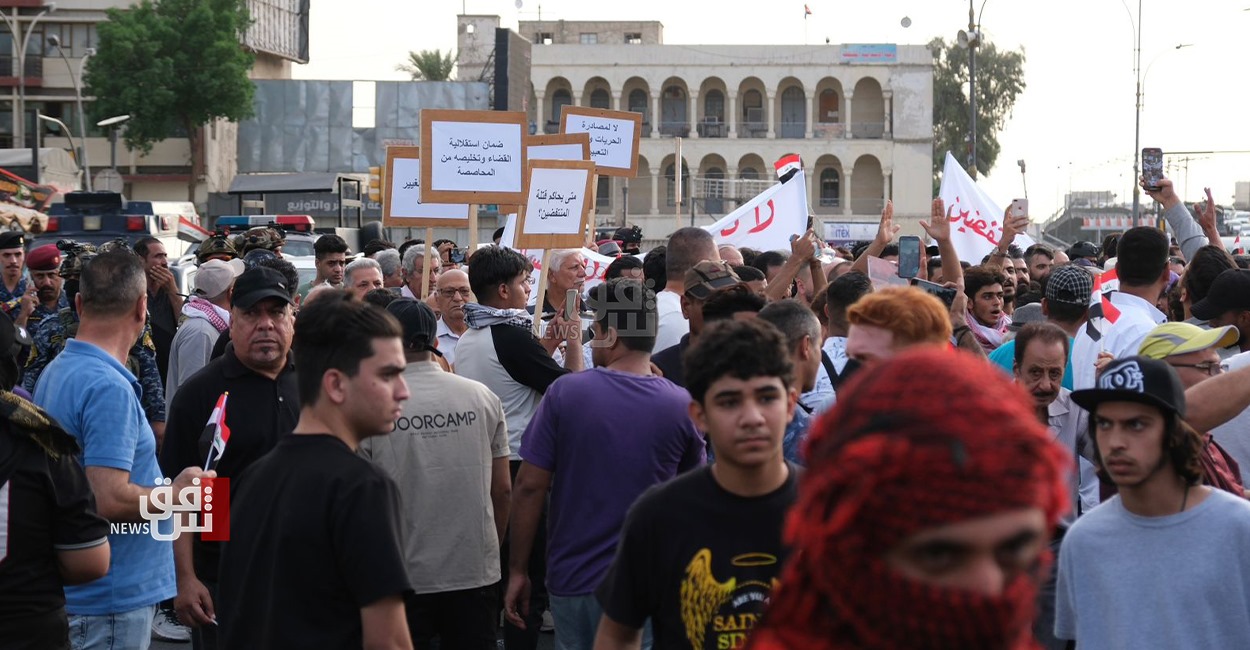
{"x":456,"y":256}
{"x":908,"y":256}
{"x":1152,"y":167}
{"x":945,"y":294}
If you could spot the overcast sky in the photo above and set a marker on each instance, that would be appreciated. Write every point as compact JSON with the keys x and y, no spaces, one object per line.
{"x":1073,"y":125}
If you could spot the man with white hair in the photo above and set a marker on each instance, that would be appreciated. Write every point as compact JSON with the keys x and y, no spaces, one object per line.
{"x":388,"y":259}
{"x":362,"y":276}
{"x":413,"y":268}
{"x":453,"y":293}
{"x":206,"y":314}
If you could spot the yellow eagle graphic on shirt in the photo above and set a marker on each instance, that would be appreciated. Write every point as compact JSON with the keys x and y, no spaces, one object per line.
{"x":728,"y":608}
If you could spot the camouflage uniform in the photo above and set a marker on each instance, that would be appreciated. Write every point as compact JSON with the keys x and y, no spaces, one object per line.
{"x":50,"y":336}
{"x":11,"y":301}
{"x":42,"y":312}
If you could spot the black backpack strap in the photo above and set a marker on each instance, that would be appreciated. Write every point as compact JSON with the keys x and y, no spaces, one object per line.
{"x":828,"y":364}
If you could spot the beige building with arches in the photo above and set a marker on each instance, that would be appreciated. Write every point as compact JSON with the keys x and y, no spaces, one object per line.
{"x":860,"y":116}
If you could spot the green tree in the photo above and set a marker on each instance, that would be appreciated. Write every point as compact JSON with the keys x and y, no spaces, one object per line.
{"x":173,"y":66}
{"x":1000,"y":80}
{"x":429,"y":65}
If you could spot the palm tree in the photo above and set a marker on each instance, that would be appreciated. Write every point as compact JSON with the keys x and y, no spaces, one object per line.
{"x":429,"y":65}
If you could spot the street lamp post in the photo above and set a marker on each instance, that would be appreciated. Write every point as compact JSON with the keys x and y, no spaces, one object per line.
{"x":12,"y":24}
{"x":55,"y":41}
{"x":971,"y":39}
{"x":112,"y":123}
{"x":69,"y":135}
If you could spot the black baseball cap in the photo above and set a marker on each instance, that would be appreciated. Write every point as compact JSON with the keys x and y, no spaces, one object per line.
{"x":1136,"y":379}
{"x":1229,"y":291}
{"x":1083,"y":249}
{"x":419,"y":323}
{"x":12,"y":239}
{"x":257,"y":284}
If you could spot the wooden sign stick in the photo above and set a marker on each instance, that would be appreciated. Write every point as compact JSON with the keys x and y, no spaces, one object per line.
{"x":428,"y":267}
{"x":472,"y":229}
{"x":542,"y":294}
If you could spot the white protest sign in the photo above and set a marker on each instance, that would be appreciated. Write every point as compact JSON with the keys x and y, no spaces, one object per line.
{"x":402,"y":207}
{"x":557,"y":204}
{"x":976,"y":220}
{"x":766,"y":222}
{"x":472,"y":156}
{"x":613,"y":137}
{"x":560,"y":146}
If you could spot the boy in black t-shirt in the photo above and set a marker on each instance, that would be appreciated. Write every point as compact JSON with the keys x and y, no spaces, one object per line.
{"x":700,"y":555}
{"x":314,"y":558}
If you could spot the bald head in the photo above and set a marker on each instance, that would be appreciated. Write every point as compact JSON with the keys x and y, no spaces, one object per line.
{"x":451,"y":293}
{"x":686,"y":248}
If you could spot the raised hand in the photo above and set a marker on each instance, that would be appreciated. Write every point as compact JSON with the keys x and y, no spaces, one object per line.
{"x":938,"y":227}
{"x":887,"y":230}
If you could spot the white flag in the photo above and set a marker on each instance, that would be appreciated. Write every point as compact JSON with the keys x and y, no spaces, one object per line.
{"x":976,"y":220}
{"x":766,"y":222}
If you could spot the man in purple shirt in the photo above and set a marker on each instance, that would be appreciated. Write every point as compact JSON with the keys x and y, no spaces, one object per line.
{"x":596,"y":463}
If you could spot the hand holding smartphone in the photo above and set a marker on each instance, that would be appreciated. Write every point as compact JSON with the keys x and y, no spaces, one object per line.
{"x":1152,"y":167}
{"x":908,"y":256}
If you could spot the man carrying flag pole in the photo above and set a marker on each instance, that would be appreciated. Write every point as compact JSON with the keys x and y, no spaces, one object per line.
{"x":257,"y":377}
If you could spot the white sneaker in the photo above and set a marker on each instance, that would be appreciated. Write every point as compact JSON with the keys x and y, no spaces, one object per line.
{"x":549,"y":622}
{"x":166,"y":627}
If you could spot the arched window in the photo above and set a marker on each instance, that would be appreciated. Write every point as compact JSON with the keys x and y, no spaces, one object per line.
{"x":714,"y":191}
{"x":829,"y":111}
{"x":599,"y":98}
{"x":713,"y":124}
{"x":748,"y":174}
{"x":753,"y":125}
{"x":830,"y":188}
{"x":670,"y":184}
{"x":673,"y":109}
{"x":793,"y":113}
{"x":559,"y":99}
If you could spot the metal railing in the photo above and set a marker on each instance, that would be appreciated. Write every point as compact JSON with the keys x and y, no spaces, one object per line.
{"x":868,"y":130}
{"x":828,"y":130}
{"x":675,"y":129}
{"x":738,"y":190}
{"x":830,"y":202}
{"x":791,"y":130}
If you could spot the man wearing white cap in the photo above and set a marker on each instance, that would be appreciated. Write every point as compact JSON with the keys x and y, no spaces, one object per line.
{"x":206,"y":315}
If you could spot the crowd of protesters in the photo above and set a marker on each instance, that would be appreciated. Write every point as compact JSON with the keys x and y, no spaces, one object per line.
{"x":708,"y":447}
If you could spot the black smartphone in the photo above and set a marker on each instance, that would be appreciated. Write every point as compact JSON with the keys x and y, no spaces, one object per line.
{"x":945,"y":294}
{"x":1152,"y":167}
{"x":456,"y":256}
{"x":908,"y":256}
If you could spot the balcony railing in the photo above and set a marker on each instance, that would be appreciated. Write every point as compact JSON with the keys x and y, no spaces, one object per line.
{"x":868,"y":130}
{"x":828,"y":130}
{"x":713,"y":127}
{"x":675,"y":129}
{"x":753,"y":130}
{"x":739,"y":190}
{"x":830,"y":202}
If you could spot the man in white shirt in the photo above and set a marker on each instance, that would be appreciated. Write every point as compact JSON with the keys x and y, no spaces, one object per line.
{"x":686,"y":247}
{"x":1142,"y":267}
{"x":413,"y":266}
{"x":452,"y":294}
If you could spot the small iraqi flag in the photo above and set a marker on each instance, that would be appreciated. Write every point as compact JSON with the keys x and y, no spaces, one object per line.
{"x":217,"y":431}
{"x":807,"y":11}
{"x":787,"y":166}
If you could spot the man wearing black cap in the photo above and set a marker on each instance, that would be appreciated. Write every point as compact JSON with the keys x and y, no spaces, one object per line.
{"x":1228,"y":303}
{"x":1066,"y":304}
{"x":263,"y":406}
{"x":701,"y":282}
{"x":17,"y":296}
{"x":630,"y":238}
{"x":1157,"y":565}
{"x":449,"y":454}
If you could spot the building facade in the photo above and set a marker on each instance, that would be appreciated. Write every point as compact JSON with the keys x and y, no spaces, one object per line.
{"x":49,"y":76}
{"x":860,"y":117}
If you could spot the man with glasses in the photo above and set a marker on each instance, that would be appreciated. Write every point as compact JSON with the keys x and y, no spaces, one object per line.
{"x":1193,"y":354}
{"x":452,"y":293}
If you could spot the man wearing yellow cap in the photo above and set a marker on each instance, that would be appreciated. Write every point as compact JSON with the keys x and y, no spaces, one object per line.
{"x":1194,"y":353}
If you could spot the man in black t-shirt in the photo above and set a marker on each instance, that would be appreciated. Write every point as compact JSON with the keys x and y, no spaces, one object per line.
{"x":700,"y":555}
{"x":50,"y":533}
{"x":314,"y":558}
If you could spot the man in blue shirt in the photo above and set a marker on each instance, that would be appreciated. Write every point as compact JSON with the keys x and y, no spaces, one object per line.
{"x":88,"y":389}
{"x":802,"y":331}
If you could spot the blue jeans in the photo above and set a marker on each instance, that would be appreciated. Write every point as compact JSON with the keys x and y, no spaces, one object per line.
{"x":577,"y":621}
{"x":130,"y":630}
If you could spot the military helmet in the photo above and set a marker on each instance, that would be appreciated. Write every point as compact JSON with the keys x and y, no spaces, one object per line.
{"x":215,"y":245}
{"x":262,"y":237}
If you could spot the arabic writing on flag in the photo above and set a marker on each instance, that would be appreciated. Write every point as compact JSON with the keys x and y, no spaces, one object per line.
{"x":976,"y":220}
{"x":766,"y":222}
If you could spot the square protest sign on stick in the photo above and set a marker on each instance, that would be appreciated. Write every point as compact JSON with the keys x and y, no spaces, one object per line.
{"x":473,"y":156}
{"x":613,"y":137}
{"x":556,"y":211}
{"x":560,"y":146}
{"x":401,"y":197}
